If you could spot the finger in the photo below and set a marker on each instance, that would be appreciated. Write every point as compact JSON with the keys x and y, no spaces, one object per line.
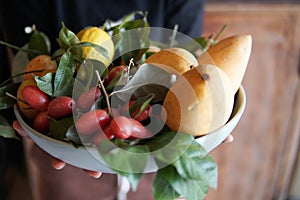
{"x":93,"y":174}
{"x":58,"y":164}
{"x":228,"y":139}
{"x":19,"y":129}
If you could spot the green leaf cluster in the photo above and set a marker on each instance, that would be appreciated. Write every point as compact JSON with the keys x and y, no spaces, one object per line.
{"x":136,"y":41}
{"x":190,"y":174}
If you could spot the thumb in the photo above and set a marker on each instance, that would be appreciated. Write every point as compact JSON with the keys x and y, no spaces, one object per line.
{"x":19,"y":129}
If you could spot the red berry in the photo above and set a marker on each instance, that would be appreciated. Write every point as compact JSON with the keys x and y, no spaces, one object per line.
{"x":105,"y":134}
{"x":121,"y":127}
{"x":36,"y":98}
{"x":113,"y":73}
{"x":108,"y":133}
{"x":142,"y":116}
{"x":88,"y":98}
{"x":139,"y":130}
{"x":61,"y":106}
{"x":92,"y":121}
{"x":41,"y":123}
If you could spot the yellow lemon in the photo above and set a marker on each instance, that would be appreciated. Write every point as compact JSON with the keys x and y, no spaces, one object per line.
{"x":100,"y":37}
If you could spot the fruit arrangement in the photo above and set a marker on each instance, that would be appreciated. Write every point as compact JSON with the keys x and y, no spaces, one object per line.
{"x":97,"y":89}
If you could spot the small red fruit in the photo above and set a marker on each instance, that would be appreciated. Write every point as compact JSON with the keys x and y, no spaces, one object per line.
{"x":140,"y":117}
{"x":60,"y":107}
{"x":41,"y":123}
{"x":138,"y":130}
{"x":108,"y":133}
{"x":113,"y":73}
{"x":105,"y":134}
{"x":88,"y":98}
{"x":121,"y":127}
{"x":36,"y":98}
{"x":92,"y":121}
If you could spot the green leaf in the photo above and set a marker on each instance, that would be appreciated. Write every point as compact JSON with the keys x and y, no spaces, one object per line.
{"x":132,"y":45}
{"x":6,"y":130}
{"x":63,"y":80}
{"x":11,"y":88}
{"x":44,"y":83}
{"x":169,"y":146}
{"x":6,"y":101}
{"x":162,"y":190}
{"x":73,"y":136}
{"x":88,"y":67}
{"x":148,"y":79}
{"x":195,"y":163}
{"x":128,"y":159}
{"x":59,"y":128}
{"x":141,"y":104}
{"x":39,"y":42}
{"x":191,"y":189}
{"x":67,"y":38}
{"x":113,"y":25}
{"x":98,"y":48}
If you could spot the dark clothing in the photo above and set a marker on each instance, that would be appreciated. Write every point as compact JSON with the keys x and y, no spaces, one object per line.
{"x":47,"y":15}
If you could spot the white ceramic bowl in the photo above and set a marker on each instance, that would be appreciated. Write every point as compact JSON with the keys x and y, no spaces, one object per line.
{"x":215,"y":138}
{"x":89,"y":158}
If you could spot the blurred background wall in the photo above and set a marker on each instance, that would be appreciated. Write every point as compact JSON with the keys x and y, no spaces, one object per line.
{"x":263,"y":161}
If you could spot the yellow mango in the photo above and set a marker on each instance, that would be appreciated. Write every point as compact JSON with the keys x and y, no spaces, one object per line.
{"x":230,"y":54}
{"x":173,"y":60}
{"x":200,"y":101}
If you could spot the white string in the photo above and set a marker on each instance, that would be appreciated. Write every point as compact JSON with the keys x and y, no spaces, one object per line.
{"x":123,"y":187}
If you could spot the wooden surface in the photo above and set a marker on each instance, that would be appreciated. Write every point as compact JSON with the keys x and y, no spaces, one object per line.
{"x":258,"y":165}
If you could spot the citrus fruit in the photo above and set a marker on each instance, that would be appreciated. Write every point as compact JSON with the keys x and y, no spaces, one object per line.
{"x":99,"y":37}
{"x":41,"y":63}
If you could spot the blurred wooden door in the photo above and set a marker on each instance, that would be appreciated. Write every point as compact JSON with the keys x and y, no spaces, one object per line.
{"x":259,"y":164}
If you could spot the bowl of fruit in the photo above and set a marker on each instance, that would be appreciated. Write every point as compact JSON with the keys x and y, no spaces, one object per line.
{"x":103,"y":104}
{"x":88,"y":157}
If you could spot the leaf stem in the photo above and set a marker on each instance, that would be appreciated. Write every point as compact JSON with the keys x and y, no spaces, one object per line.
{"x":15,"y":98}
{"x":19,"y":48}
{"x":173,"y":37}
{"x":220,"y":33}
{"x":104,"y":92}
{"x":23,"y":73}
